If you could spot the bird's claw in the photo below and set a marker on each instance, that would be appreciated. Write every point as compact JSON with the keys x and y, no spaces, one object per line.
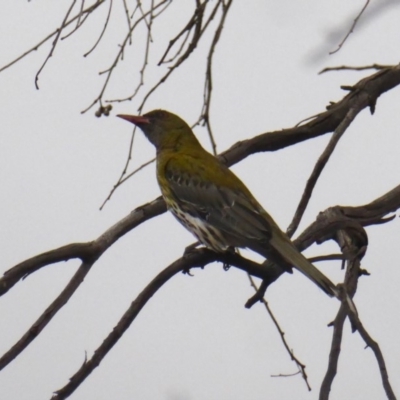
{"x":186,"y":271}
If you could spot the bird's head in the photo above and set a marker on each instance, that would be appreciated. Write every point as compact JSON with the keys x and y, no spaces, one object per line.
{"x":162,"y":128}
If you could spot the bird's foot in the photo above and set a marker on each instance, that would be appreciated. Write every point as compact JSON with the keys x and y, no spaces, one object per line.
{"x":189,"y":249}
{"x":230,"y":250}
{"x":186,"y":271}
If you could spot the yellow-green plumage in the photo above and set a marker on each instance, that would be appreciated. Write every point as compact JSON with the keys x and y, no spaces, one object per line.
{"x":211,"y":201}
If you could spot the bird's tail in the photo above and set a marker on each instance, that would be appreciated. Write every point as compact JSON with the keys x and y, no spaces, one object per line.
{"x":287,"y":249}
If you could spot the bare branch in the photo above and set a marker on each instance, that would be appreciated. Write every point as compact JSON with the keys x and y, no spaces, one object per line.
{"x":122,"y":180}
{"x":353,"y":243}
{"x":128,"y":19}
{"x":84,"y":251}
{"x":370,"y":88}
{"x":334,"y":223}
{"x":364,"y":93}
{"x":146,"y":53}
{"x":198,"y":32}
{"x":322,"y":229}
{"x":328,"y":223}
{"x":299,"y":364}
{"x":47,"y":315}
{"x":334,"y":353}
{"x":124,"y":170}
{"x":194,"y":23}
{"x":344,"y":225}
{"x":103,"y":30}
{"x":368,"y":214}
{"x":320,"y":164}
{"x":208,"y":86}
{"x":87,"y":11}
{"x":329,"y":257}
{"x":362,"y":68}
{"x":317,"y":231}
{"x":351,"y":29}
{"x":138,"y":169}
{"x":80,"y":21}
{"x":196,"y":259}
{"x":118,"y":57}
{"x":286,"y":375}
{"x":54,"y":44}
{"x":377,"y":352}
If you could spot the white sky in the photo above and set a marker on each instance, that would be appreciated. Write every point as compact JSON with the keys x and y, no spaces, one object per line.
{"x":194,"y":340}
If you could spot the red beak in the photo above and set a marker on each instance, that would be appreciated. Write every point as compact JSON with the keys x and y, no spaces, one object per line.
{"x":134,"y":119}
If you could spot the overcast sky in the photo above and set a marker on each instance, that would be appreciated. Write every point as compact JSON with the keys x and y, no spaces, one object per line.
{"x":194,"y":340}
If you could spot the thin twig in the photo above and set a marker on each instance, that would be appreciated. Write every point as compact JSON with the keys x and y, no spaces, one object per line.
{"x":114,"y":64}
{"x":82,"y":21}
{"x":178,"y":52}
{"x":199,"y":30}
{"x":198,"y":33}
{"x":328,"y":257}
{"x":351,"y":29}
{"x":139,"y":6}
{"x":362,"y":68}
{"x":163,"y":79}
{"x":123,"y":172}
{"x":128,"y":19}
{"x":79,"y":21}
{"x":54,"y":44}
{"x":146,"y":54}
{"x":194,"y":22}
{"x":103,"y":30}
{"x":211,"y":16}
{"x":122,"y":180}
{"x":137,"y":170}
{"x":286,"y":375}
{"x":208,"y":84}
{"x":299,"y":364}
{"x":87,"y":11}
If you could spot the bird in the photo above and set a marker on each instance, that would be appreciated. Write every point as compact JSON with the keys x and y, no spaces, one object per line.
{"x":210,"y":201}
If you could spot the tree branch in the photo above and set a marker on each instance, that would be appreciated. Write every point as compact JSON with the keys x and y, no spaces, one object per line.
{"x":351,"y":30}
{"x":200,"y":258}
{"x":84,"y":251}
{"x":301,"y":367}
{"x":47,"y":315}
{"x":319,"y":166}
{"x":369,"y":88}
{"x":87,"y":11}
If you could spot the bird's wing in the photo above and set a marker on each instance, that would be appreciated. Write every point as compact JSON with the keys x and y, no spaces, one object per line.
{"x":212,"y":192}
